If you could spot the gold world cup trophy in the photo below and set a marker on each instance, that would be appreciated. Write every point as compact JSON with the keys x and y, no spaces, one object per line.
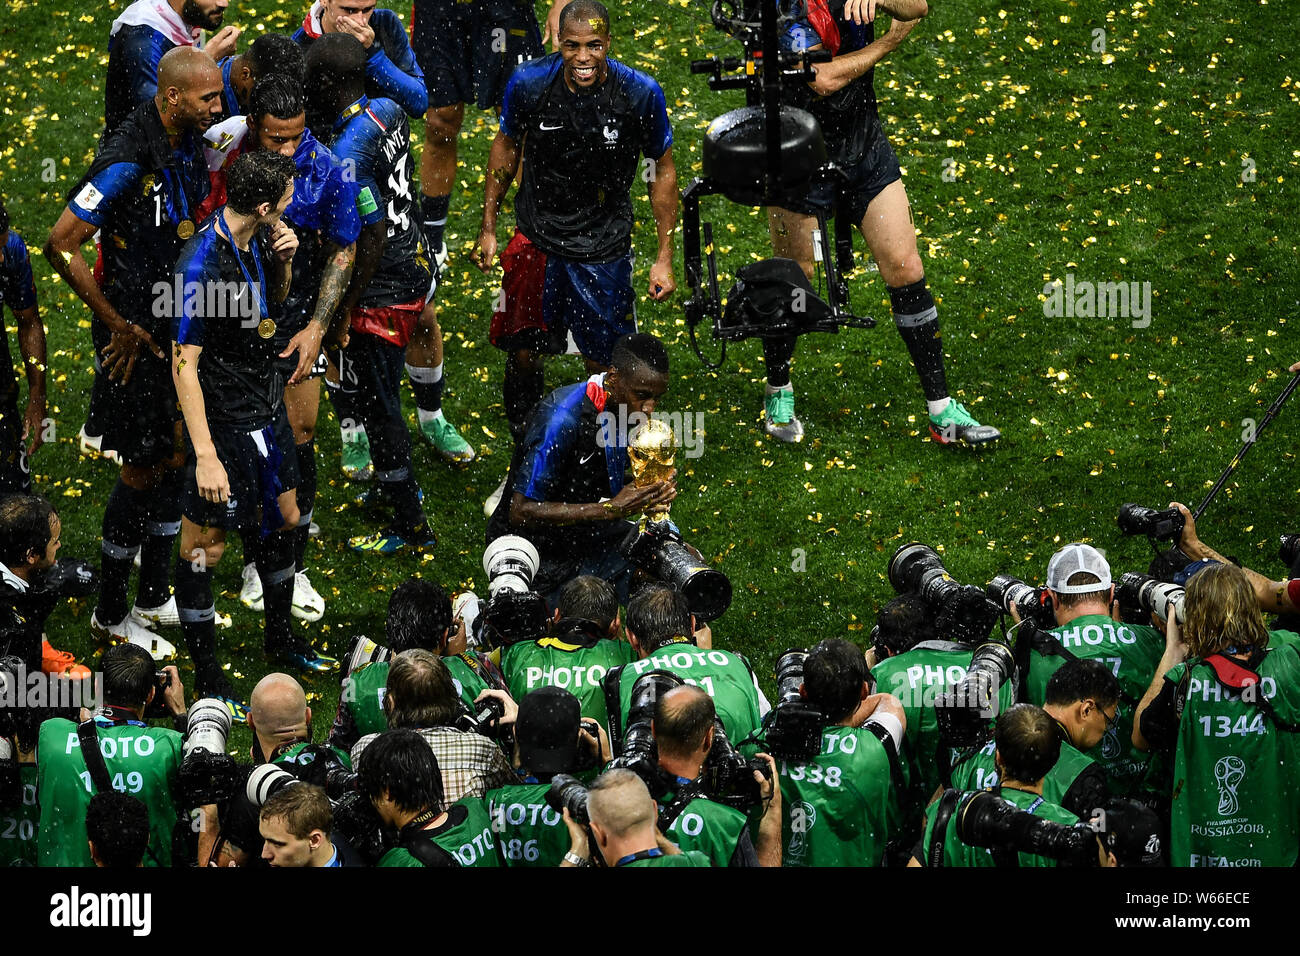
{"x":651,"y":449}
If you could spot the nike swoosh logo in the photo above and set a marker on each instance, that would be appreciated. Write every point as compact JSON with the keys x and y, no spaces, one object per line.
{"x":583,"y":461}
{"x":548,"y":128}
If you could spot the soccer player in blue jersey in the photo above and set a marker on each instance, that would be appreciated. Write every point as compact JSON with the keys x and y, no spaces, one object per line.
{"x":142,"y":193}
{"x":324,"y":216}
{"x":235,"y":275}
{"x":392,"y":71}
{"x":843,"y":100}
{"x":20,"y":435}
{"x":392,"y":280}
{"x":271,"y":53}
{"x":580,"y":122}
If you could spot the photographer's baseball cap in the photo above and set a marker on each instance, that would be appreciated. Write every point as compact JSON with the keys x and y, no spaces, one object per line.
{"x":1131,"y":831}
{"x":547,"y":730}
{"x":1072,"y":559}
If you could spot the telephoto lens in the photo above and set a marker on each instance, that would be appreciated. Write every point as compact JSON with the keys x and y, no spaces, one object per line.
{"x":917,"y":569}
{"x":794,"y":728}
{"x":265,"y":781}
{"x":986,"y":820}
{"x":1031,"y":604}
{"x":1141,"y":592}
{"x":568,"y":793}
{"x":510,"y":563}
{"x":964,"y":711}
{"x":207,"y":773}
{"x":638,"y":751}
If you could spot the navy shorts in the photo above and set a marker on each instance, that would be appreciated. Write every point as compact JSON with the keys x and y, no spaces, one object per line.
{"x":370,"y":373}
{"x":15,"y":475}
{"x":260,"y":466}
{"x":468,"y":50}
{"x":546,"y":297}
{"x":878,"y":168}
{"x":139,"y":419}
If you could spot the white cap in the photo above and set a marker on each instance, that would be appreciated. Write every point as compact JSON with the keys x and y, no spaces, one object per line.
{"x":1072,"y":559}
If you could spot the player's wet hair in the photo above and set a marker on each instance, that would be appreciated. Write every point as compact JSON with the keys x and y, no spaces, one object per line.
{"x":24,"y":528}
{"x":333,"y":60}
{"x":401,"y":762}
{"x":1027,"y":742}
{"x":1081,"y":679}
{"x":591,"y":11}
{"x":278,"y":96}
{"x":638,"y":348}
{"x":419,"y":613}
{"x":118,"y":825}
{"x":658,"y":614}
{"x":833,"y":676}
{"x":128,"y":675}
{"x":276,"y":54}
{"x":256,"y":178}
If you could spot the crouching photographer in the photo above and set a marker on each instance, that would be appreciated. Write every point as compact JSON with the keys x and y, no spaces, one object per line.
{"x":621,"y":816}
{"x":419,"y":617}
{"x":1223,"y":708}
{"x":400,"y":776}
{"x":115,"y":750}
{"x":551,"y":739}
{"x":837,"y":744}
{"x":705,"y":790}
{"x":420,"y":695}
{"x":1027,"y":748}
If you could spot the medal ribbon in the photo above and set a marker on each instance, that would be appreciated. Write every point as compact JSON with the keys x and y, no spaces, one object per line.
{"x":260,"y":285}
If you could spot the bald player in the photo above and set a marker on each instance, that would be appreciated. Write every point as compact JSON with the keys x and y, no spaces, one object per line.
{"x":624,"y":822}
{"x":141,"y":192}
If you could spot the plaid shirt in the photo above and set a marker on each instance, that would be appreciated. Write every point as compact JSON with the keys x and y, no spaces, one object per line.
{"x":471,"y":765}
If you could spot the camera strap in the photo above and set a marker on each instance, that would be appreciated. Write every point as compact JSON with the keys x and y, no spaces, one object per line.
{"x":942,"y":814}
{"x":1047,"y":644}
{"x":1239,"y":676}
{"x":610,"y":687}
{"x":887,"y":741}
{"x":88,"y":736}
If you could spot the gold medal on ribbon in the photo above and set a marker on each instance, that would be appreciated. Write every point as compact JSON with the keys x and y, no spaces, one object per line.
{"x":266,"y":328}
{"x":185,"y":229}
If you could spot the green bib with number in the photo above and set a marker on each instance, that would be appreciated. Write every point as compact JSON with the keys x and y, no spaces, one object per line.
{"x":363,"y":692}
{"x":1129,"y":651}
{"x":527,"y":831}
{"x":711,"y":828}
{"x":725,"y":677}
{"x":919,"y":678}
{"x":19,"y":823}
{"x":469,"y":841}
{"x":979,"y":772}
{"x":1236,"y":783}
{"x":142,"y":762}
{"x":956,"y":853}
{"x":840,"y":808}
{"x":579,"y":670}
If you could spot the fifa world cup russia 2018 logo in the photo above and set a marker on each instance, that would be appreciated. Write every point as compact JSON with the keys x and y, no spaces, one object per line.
{"x":1228,"y":773}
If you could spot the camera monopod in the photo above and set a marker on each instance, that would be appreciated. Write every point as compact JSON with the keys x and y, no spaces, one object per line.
{"x":1251,"y":439}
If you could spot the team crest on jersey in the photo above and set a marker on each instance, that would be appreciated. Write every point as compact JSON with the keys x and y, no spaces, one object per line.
{"x":611,"y":135}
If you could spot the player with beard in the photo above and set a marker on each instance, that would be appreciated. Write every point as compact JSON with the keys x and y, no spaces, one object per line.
{"x":142,"y":192}
{"x":323,"y":214}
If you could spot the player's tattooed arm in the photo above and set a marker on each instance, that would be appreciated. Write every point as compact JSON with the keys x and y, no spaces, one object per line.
{"x":503,"y":163}
{"x":370,"y":248}
{"x":335,"y":275}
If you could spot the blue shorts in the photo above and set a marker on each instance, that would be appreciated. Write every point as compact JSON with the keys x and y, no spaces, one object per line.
{"x":546,"y":297}
{"x":468,"y":50}
{"x":866,"y":180}
{"x":260,"y":466}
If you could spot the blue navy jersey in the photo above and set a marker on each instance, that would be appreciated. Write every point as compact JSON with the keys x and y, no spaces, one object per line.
{"x":229,"y":101}
{"x":139,"y":37}
{"x":372,"y":139}
{"x":581,"y":155}
{"x":565,"y":457}
{"x":18,"y":291}
{"x":391,"y":69}
{"x":137,"y":192}
{"x":849,"y":118}
{"x":323,"y":210}
{"x":219,"y":308}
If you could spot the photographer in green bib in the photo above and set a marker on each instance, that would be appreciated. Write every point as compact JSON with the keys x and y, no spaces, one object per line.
{"x":1088,"y":627}
{"x":585,"y":643}
{"x":551,"y":737}
{"x":399,"y":774}
{"x":661,"y":629}
{"x":1027,"y":746}
{"x":623,"y":819}
{"x":1225,"y":706}
{"x":841,"y":805}
{"x":139,"y":760}
{"x":1082,"y":700}
{"x":419,"y":617}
